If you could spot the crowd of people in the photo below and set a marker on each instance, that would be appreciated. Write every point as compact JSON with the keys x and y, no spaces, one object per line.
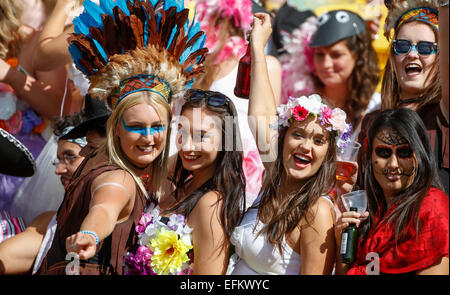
{"x":126,"y":146}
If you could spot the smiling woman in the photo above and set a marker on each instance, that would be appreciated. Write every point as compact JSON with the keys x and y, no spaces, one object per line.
{"x":412,"y":73}
{"x":407,"y":226}
{"x":138,"y":75}
{"x":208,"y":177}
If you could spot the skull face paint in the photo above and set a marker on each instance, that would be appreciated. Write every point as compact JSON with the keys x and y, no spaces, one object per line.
{"x":393,"y":161}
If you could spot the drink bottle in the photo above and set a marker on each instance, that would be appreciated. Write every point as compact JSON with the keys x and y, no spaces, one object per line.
{"x":348,"y":243}
{"x":242,"y":87}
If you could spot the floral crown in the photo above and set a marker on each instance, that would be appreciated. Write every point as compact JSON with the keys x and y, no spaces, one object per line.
{"x":298,"y":109}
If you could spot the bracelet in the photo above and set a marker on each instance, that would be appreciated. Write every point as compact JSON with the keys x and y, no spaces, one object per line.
{"x":90,"y":233}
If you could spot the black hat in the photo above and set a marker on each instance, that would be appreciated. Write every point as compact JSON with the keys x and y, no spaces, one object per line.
{"x":96,"y":113}
{"x":336,"y":25}
{"x":257,"y":7}
{"x":15,"y":158}
{"x":287,"y":19}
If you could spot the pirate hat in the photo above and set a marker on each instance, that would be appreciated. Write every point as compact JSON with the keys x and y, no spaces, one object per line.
{"x":15,"y":158}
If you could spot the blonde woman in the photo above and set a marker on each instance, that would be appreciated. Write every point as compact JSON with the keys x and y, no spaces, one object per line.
{"x":138,"y":75}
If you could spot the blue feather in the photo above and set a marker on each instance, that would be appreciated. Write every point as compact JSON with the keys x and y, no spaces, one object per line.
{"x":101,"y":50}
{"x":174,"y":3}
{"x":80,"y":27}
{"x":172,"y":35}
{"x":94,"y":12}
{"x":107,"y":6}
{"x":122,"y":5}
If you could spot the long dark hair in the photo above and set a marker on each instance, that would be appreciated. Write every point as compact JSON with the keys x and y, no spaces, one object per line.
{"x":409,"y":125}
{"x":283,"y":213}
{"x":364,"y":78}
{"x":228,"y":179}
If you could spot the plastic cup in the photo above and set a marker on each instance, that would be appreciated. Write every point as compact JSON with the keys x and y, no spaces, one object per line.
{"x":346,"y":160}
{"x":357,"y":199}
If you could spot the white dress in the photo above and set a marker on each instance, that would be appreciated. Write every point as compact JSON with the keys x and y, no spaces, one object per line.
{"x":254,"y":255}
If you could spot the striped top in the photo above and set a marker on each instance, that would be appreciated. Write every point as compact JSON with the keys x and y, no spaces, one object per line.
{"x":10,"y":226}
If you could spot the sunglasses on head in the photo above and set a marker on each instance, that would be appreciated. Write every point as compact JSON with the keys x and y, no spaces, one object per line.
{"x":212,"y":98}
{"x":422,"y":47}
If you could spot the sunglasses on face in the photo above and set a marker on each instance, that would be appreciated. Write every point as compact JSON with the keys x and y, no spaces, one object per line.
{"x":422,"y":47}
{"x":401,"y":152}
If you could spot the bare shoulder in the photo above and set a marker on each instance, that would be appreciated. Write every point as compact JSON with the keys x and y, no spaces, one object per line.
{"x":322,"y":214}
{"x":209,"y":200}
{"x":205,"y":217}
{"x":208,"y":206}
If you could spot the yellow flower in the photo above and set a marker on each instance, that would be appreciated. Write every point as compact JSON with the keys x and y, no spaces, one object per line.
{"x":169,"y":252}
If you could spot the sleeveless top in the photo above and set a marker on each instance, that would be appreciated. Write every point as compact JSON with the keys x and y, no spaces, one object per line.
{"x":75,"y":207}
{"x":255,"y":255}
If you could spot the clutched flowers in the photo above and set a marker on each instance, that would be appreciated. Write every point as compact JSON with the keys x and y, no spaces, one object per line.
{"x":165,"y":246}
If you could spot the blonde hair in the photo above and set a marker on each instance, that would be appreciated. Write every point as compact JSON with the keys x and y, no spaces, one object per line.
{"x":112,"y":148}
{"x":390,"y":88}
{"x":10,"y":13}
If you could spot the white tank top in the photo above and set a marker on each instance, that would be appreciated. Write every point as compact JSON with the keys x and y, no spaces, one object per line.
{"x":255,"y":255}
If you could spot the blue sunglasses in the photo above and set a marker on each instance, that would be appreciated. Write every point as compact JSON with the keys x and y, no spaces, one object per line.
{"x":422,"y":47}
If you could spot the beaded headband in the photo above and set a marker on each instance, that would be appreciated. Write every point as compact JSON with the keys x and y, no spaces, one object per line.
{"x":422,"y":14}
{"x":140,"y":83}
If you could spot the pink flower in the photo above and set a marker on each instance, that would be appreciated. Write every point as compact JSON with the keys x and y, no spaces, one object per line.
{"x":325,"y":115}
{"x":337,"y":119}
{"x":300,"y":113}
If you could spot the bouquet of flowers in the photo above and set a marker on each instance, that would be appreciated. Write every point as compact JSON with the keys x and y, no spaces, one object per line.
{"x":165,"y":246}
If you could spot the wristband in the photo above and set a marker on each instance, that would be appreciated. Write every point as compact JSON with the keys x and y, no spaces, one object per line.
{"x":90,"y":233}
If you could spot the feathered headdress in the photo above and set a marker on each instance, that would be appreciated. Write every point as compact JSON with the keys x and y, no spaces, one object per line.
{"x":401,"y":11}
{"x":124,"y":46}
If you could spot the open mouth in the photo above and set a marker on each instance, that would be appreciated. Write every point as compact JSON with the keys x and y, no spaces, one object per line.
{"x":301,"y":161}
{"x":145,"y":149}
{"x":413,"y":69}
{"x":190,"y":158}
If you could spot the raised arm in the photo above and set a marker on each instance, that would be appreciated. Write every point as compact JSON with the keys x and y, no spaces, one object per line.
{"x":52,"y":50}
{"x":263,"y":103}
{"x":112,"y":201}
